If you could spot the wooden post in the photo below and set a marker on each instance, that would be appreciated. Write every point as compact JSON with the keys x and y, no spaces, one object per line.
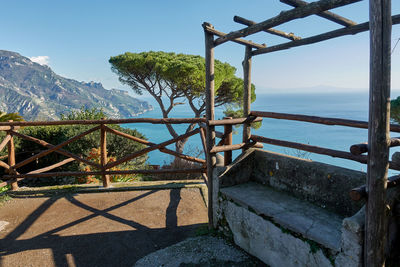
{"x":11,"y":157}
{"x":103,"y":155}
{"x":378,"y":132}
{"x":210,"y":130}
{"x":246,"y":93}
{"x":227,"y":141}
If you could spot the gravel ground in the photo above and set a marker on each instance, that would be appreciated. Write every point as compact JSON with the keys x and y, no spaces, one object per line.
{"x":199,"y":251}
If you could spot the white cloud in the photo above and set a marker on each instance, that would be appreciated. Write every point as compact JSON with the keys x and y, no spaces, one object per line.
{"x":42,"y":60}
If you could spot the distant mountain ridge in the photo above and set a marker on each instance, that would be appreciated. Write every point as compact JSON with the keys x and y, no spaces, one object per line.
{"x":37,"y":93}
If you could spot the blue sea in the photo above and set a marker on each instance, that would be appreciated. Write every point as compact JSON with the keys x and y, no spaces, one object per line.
{"x":336,"y":105}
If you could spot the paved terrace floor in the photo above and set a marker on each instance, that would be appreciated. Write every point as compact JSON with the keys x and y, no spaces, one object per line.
{"x":96,"y":229}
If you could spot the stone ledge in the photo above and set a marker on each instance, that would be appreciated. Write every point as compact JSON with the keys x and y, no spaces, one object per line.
{"x":310,"y":221}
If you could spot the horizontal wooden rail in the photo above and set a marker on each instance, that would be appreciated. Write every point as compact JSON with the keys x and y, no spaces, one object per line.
{"x":217,"y":149}
{"x":60,"y":151}
{"x":319,"y":120}
{"x":234,"y":121}
{"x":318,"y":150}
{"x":7,"y":127}
{"x":217,"y":133}
{"x":362,"y":148}
{"x":360,"y":192}
{"x":120,"y":172}
{"x":107,"y":121}
{"x":148,"y":143}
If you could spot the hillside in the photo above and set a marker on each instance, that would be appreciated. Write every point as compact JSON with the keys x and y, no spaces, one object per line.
{"x":37,"y":93}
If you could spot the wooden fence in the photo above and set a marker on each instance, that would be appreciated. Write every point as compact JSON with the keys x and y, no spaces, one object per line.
{"x":104,"y":168}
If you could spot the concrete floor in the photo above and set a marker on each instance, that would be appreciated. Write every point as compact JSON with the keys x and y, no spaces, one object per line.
{"x":97,"y":229}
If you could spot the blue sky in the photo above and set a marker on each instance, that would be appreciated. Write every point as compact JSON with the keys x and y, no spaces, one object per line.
{"x":78,"y":37}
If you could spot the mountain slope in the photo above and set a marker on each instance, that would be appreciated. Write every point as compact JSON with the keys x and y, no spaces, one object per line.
{"x":37,"y":93}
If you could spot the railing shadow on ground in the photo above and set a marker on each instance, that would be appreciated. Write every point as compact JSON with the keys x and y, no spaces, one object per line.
{"x":119,"y":248}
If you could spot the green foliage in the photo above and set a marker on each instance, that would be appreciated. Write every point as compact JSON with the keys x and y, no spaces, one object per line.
{"x":10,"y":116}
{"x":395,"y":110}
{"x":83,"y":114}
{"x":116,"y":146}
{"x":179,"y":74}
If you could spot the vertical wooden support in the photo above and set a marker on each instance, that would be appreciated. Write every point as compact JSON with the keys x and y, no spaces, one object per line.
{"x":378,"y":132}
{"x":103,"y":155}
{"x":210,"y":131}
{"x":246,"y":93}
{"x":11,"y":157}
{"x":227,"y":142}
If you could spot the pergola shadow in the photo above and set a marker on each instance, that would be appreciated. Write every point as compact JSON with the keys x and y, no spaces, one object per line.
{"x":108,"y":248}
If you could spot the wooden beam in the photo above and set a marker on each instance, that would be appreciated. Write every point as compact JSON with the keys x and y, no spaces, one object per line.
{"x":51,"y":167}
{"x":319,"y":120}
{"x":54,"y":148}
{"x":60,"y":151}
{"x":107,"y":121}
{"x":225,"y":148}
{"x":4,"y":142}
{"x":227,"y":142}
{"x":378,"y":132}
{"x":210,"y":130}
{"x":247,"y":95}
{"x":211,"y":29}
{"x":360,"y":192}
{"x":150,"y":148}
{"x":362,"y":148}
{"x":247,"y":22}
{"x":326,"y":14}
{"x":234,"y":121}
{"x":103,"y":156}
{"x":321,"y":37}
{"x":147,"y":143}
{"x":285,"y":16}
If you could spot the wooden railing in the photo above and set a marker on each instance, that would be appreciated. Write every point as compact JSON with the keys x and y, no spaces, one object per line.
{"x":356,"y":150}
{"x":104,"y":168}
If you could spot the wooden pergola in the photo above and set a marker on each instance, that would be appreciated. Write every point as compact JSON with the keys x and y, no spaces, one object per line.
{"x":380,"y":25}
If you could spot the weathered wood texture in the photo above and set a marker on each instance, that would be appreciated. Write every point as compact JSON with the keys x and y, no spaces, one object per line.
{"x":51,"y":167}
{"x":148,"y":143}
{"x":227,"y":142}
{"x":362,"y":148}
{"x":321,"y":37}
{"x":107,"y":121}
{"x":246,"y":95}
{"x":285,"y":16}
{"x":319,"y":120}
{"x":248,"y":22}
{"x":54,"y":148}
{"x":149,"y":149}
{"x":318,"y":150}
{"x":210,"y":29}
{"x":236,"y":120}
{"x":326,"y":14}
{"x":210,"y":131}
{"x":103,"y":155}
{"x":5,"y":142}
{"x":360,"y":192}
{"x":378,"y":132}
{"x":60,"y":151}
{"x":224,"y":148}
{"x":11,"y":160}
